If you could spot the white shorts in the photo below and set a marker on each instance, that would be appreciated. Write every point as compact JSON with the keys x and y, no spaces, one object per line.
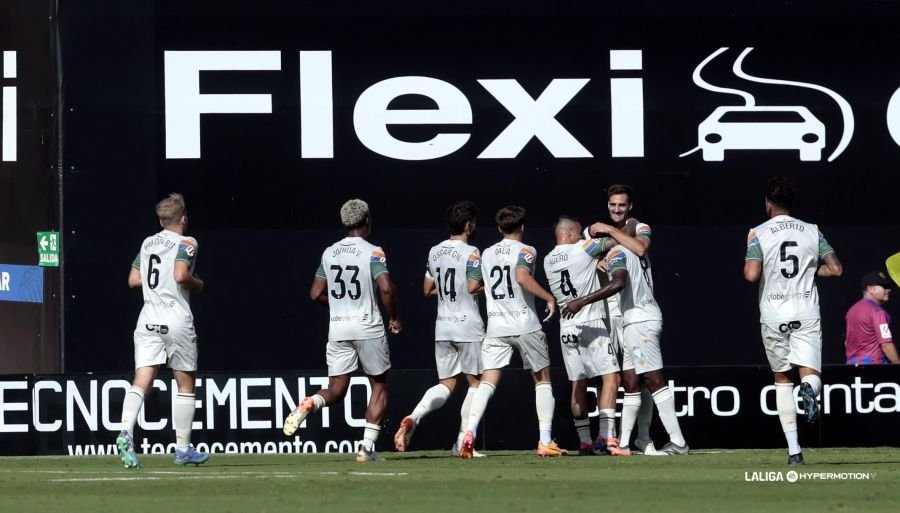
{"x":793,"y":343}
{"x":497,"y":351}
{"x":157,"y":344}
{"x":640,"y":346}
{"x":345,"y":356}
{"x":587,"y":350}
{"x":453,"y":358}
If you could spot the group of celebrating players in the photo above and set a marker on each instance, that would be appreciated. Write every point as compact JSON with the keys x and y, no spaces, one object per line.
{"x":600,"y":279}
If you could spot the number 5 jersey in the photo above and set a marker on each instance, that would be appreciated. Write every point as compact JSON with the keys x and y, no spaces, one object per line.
{"x":790,"y":251}
{"x":350,"y":266}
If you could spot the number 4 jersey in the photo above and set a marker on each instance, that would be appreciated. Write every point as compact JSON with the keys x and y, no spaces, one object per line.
{"x":572,"y":273}
{"x":165,"y":302}
{"x":350,"y":266}
{"x":451,"y":264}
{"x":789,"y":250}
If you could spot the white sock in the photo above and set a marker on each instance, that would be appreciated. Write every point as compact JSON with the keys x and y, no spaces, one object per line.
{"x":787,"y":414}
{"x":544,"y":403}
{"x":131,"y":407}
{"x":607,"y":423}
{"x":479,"y":404}
{"x":464,"y":414}
{"x":183,"y":418}
{"x":630,"y":406}
{"x":370,"y":435}
{"x":434,"y":398}
{"x":665,"y":403}
{"x":814,"y":381}
{"x":583,"y":427}
{"x":645,"y":414}
{"x":318,"y":401}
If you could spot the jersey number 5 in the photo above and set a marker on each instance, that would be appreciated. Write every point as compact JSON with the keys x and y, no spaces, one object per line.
{"x":785,"y":258}
{"x":341,"y":286}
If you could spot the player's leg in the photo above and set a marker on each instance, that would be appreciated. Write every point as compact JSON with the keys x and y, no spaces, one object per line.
{"x":650,"y":366}
{"x":342,"y":358}
{"x":643,"y":442}
{"x":495,"y":355}
{"x":600,"y":360}
{"x":580,"y":409}
{"x":544,"y":405}
{"x":131,"y":408}
{"x":806,"y":354}
{"x":375,"y":359}
{"x":606,"y":404}
{"x":447,"y":362}
{"x":631,"y":403}
{"x":181,"y":344}
{"x":570,"y":341}
{"x":470,"y":364}
{"x":777,"y":352}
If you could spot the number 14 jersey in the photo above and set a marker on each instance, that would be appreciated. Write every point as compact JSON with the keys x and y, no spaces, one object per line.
{"x":350,"y":267}
{"x":789,"y":250}
{"x":451,"y":264}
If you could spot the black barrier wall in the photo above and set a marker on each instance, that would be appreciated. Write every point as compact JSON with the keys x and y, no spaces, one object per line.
{"x":718,"y":407}
{"x":413,"y":106}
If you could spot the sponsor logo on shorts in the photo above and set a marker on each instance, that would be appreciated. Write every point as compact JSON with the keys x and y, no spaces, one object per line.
{"x":162,"y":329}
{"x":795,"y":296}
{"x":452,"y":318}
{"x":349,"y":318}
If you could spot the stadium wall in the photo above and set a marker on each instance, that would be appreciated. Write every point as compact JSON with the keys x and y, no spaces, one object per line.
{"x":564,"y":99}
{"x":719,"y":407}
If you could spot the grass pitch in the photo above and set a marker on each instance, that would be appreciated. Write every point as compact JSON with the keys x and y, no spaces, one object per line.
{"x":839,"y":479}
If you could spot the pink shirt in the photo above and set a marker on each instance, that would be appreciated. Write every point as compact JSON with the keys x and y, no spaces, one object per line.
{"x":868,"y":326}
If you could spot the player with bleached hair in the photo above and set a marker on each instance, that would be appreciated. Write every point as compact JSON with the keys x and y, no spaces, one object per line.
{"x":785,"y":255}
{"x":164,"y":269}
{"x":588,"y":352}
{"x":510,"y":287}
{"x":452,"y":269}
{"x":345,"y":281}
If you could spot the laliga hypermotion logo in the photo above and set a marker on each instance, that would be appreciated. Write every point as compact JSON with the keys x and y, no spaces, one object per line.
{"x":757,"y":127}
{"x":9,"y":108}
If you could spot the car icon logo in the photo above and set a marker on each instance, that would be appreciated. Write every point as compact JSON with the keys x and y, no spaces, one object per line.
{"x":761,"y":128}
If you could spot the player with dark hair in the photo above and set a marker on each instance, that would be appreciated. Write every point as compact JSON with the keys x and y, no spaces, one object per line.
{"x":345,"y":281}
{"x":785,"y":254}
{"x":452,"y":269}
{"x":510,"y":288}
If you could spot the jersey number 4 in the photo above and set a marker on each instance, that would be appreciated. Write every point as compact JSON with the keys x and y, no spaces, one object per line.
{"x":565,"y":284}
{"x":341,"y":288}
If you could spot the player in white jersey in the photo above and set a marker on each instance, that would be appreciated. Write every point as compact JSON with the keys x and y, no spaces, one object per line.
{"x":453,"y":267}
{"x":510,"y":287}
{"x":588,"y":353}
{"x":785,"y":254}
{"x":642,"y":357}
{"x":164,"y":269}
{"x":636,"y":236}
{"x":345,"y":281}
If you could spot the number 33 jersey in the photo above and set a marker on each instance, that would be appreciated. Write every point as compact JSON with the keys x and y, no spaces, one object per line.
{"x":165,"y":302}
{"x":350,"y":266}
{"x":510,"y":310}
{"x":789,"y":250}
{"x":451,"y":264}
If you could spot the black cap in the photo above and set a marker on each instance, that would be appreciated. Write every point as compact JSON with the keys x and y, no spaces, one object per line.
{"x":875,"y":278}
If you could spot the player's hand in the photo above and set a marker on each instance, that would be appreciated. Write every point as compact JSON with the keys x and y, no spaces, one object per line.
{"x":570,"y":308}
{"x":602,"y":265}
{"x":550,"y":309}
{"x":396,"y":326}
{"x":200,"y":284}
{"x":601,"y":229}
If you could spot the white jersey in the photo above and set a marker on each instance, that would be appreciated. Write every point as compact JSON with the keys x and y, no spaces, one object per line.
{"x":789,"y":250}
{"x":572,"y":272}
{"x":451,"y":264}
{"x":350,"y":266}
{"x":510,"y":310}
{"x":165,"y":301}
{"x":636,"y":299}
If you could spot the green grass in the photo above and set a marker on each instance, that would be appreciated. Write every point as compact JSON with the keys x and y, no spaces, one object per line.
{"x":431,"y":482}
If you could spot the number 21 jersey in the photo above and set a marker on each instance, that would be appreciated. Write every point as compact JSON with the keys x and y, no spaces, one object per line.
{"x":510,"y":310}
{"x":350,"y":266}
{"x":790,"y":251}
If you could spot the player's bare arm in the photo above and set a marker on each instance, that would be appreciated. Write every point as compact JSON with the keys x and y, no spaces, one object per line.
{"x":625,"y":236}
{"x":752,"y":270}
{"x":890,"y":352}
{"x":616,"y":283}
{"x":830,"y":266}
{"x":318,"y":290}
{"x":527,"y":282}
{"x":475,"y":287}
{"x":134,"y":278}
{"x":185,"y":278}
{"x":428,"y":287}
{"x":389,"y":300}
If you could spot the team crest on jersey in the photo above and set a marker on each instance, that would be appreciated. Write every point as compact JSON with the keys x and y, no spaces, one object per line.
{"x":378,"y":256}
{"x":473,"y":261}
{"x":527,"y":256}
{"x":187,"y":247}
{"x":590,"y":245}
{"x":752,"y":238}
{"x":643,"y":229}
{"x":615,"y":256}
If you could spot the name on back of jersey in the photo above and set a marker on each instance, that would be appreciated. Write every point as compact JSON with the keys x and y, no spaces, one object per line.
{"x":452,"y":253}
{"x":786,"y":225}
{"x":344,"y":250}
{"x":156,"y":241}
{"x":554,"y":259}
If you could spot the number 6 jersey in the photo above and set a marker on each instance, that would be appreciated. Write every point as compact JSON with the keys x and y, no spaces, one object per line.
{"x":165,"y":302}
{"x":789,"y":250}
{"x":350,"y":267}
